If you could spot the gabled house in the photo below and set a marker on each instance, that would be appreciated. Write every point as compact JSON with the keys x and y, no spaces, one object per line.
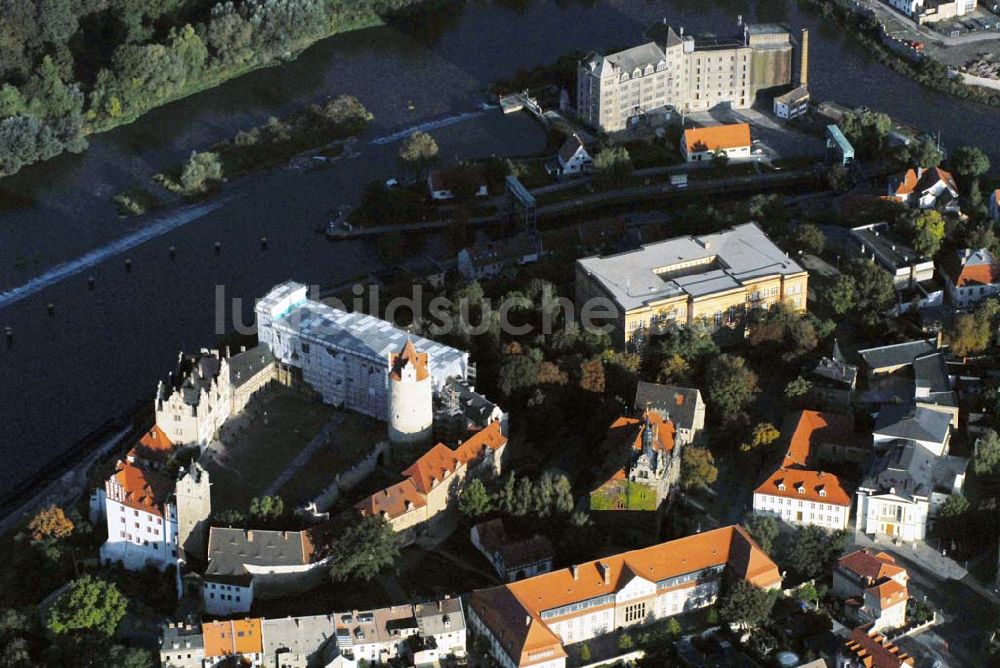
{"x":930,"y":188}
{"x":236,"y":642}
{"x":732,"y":140}
{"x":684,"y":405}
{"x":906,"y":266}
{"x":971,"y":275}
{"x":914,"y":423}
{"x":572,"y":159}
{"x":511,"y":558}
{"x":882,"y":360}
{"x":833,"y":380}
{"x":874,"y":587}
{"x":490,"y":258}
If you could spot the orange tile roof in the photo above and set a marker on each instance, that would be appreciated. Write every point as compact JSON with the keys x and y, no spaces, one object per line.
{"x":393,"y":500}
{"x":805,"y":484}
{"x":489,"y":438}
{"x":153,"y":446}
{"x":919,"y":180}
{"x":513,"y":611}
{"x":985,"y":270}
{"x":717,"y":137}
{"x":234,"y":637}
{"x":811,"y":427}
{"x":889,"y":593}
{"x":628,"y":431}
{"x":870,"y":566}
{"x":409,"y":355}
{"x":143,"y":489}
{"x":874,"y":650}
{"x":432,"y":467}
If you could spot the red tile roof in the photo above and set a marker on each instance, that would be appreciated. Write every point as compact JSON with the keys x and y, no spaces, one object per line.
{"x":408,"y":356}
{"x":154,"y":446}
{"x":813,"y":427}
{"x":873,"y":650}
{"x":889,"y":593}
{"x":513,"y":612}
{"x":919,"y":180}
{"x":234,"y":637}
{"x":805,"y":484}
{"x":869,"y":566}
{"x":141,"y":488}
{"x":967,"y":267}
{"x":717,"y":137}
{"x":393,"y":500}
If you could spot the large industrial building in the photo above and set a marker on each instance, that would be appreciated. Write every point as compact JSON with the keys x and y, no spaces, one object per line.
{"x":684,"y":72}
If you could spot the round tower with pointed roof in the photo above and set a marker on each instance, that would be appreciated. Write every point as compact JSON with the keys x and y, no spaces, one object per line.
{"x":411,"y":409}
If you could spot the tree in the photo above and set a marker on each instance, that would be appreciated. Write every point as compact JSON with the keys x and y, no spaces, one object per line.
{"x":986,"y":461}
{"x":763,"y":529}
{"x":625,"y":642}
{"x":813,"y":550}
{"x":267,"y":509}
{"x":841,"y":295}
{"x":731,"y":385}
{"x":673,"y":627}
{"x":523,"y":494}
{"x":809,"y":238}
{"x":955,"y":506}
{"x":868,"y":131}
{"x":585,"y":653}
{"x":201,"y":170}
{"x":874,"y":292}
{"x":88,"y":604}
{"x":517,"y":373}
{"x":747,"y":606}
{"x":927,"y":232}
{"x":969,"y":336}
{"x":697,"y":467}
{"x":419,"y":151}
{"x":798,"y":387}
{"x":763,"y":434}
{"x":363,"y":550}
{"x":50,"y":523}
{"x":592,"y":376}
{"x":922,"y":153}
{"x":562,"y":496}
{"x":474,"y":501}
{"x":612,"y":167}
{"x":968,"y":161}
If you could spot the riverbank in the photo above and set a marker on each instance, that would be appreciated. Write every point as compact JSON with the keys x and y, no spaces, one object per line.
{"x":928,"y":72}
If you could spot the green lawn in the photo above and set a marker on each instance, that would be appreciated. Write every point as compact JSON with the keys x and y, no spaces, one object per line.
{"x":350,"y":442}
{"x":623,"y":495}
{"x":254,"y":457}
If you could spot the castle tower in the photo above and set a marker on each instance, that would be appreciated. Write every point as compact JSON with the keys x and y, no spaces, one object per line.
{"x":194,"y":506}
{"x":411,"y":409}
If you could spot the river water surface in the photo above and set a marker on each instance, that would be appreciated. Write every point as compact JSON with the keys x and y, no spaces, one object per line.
{"x":104,"y":349}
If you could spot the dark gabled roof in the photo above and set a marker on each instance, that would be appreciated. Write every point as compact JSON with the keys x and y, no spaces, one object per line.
{"x":679,"y":402}
{"x":931,"y":373}
{"x":570,"y":147}
{"x":229,"y":549}
{"x":912,"y":423}
{"x":897,"y":354}
{"x":245,"y":365}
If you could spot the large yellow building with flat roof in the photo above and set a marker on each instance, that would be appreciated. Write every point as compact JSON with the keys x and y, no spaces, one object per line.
{"x":714,"y":278}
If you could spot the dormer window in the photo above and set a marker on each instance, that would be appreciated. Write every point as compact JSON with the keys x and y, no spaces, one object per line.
{"x":822,"y":492}
{"x":781,"y":485}
{"x":800,"y":489}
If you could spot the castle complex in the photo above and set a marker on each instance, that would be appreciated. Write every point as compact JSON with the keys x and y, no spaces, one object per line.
{"x":683,"y":72}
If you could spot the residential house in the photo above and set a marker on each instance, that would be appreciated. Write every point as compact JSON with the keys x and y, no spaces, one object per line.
{"x":643,"y":462}
{"x":375,"y":636}
{"x":994,"y":206}
{"x":342,"y":356}
{"x":906,"y":266}
{"x":799,"y":494}
{"x":682,"y":72}
{"x":423,"y":504}
{"x":239,"y":640}
{"x":933,"y":386}
{"x":181,"y":646}
{"x":527,"y":623}
{"x":684,"y":405}
{"x":930,"y":188}
{"x":489,"y":259}
{"x":971,"y":275}
{"x":882,"y":360}
{"x":572,"y":159}
{"x":460,"y":411}
{"x":875,"y":588}
{"x":732,"y":140}
{"x":871,"y":649}
{"x":714,"y":279}
{"x":904,"y":488}
{"x":833,"y":380}
{"x":942,"y":10}
{"x":441,"y":626}
{"x":512,"y":559}
{"x":244,"y":564}
{"x":440,"y":183}
{"x":299,"y":642}
{"x":152,"y":519}
{"x":907,"y":7}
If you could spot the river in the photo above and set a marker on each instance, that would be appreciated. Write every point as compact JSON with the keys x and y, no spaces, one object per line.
{"x":104,"y":349}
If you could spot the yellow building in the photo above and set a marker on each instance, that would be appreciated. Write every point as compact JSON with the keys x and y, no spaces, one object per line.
{"x":714,"y":279}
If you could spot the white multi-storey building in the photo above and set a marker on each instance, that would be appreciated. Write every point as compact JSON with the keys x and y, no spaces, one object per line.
{"x":344,"y":356}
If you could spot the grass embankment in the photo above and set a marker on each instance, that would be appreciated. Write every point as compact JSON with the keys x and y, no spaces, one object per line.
{"x":928,"y":72}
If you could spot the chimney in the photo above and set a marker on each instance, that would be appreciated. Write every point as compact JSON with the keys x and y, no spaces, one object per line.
{"x":573,"y":570}
{"x":527,"y":620}
{"x":605,"y":571}
{"x":249,"y":536}
{"x":804,"y":59}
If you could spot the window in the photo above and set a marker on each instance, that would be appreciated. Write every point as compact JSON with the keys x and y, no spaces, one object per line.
{"x":635,"y":612}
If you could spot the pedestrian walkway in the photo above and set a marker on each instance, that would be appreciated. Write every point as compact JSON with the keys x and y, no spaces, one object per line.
{"x":318,"y":441}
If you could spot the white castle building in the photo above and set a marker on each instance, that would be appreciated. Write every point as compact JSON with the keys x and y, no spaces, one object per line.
{"x":411,"y":400}
{"x":344,"y":356}
{"x":151,"y":518}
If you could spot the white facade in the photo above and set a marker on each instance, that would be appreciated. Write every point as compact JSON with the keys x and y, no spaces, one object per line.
{"x":139,"y":538}
{"x":893,"y":515}
{"x":226,"y":600}
{"x":193,"y":412}
{"x":733,"y":153}
{"x":907,"y":7}
{"x":411,"y":404}
{"x":800,"y":512}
